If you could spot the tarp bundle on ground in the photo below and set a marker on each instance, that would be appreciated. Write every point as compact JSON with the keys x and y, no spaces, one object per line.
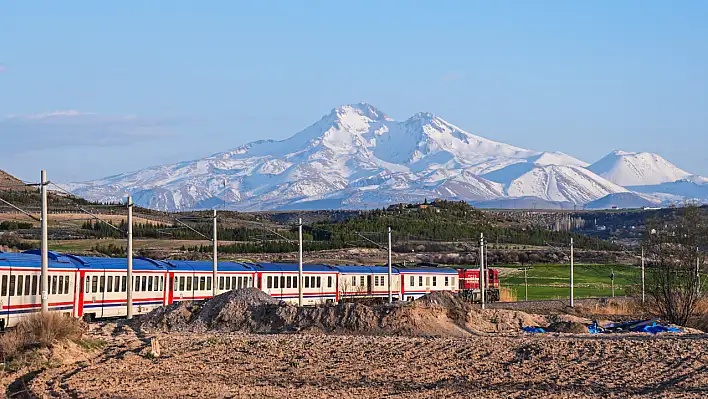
{"x":646,"y":326}
{"x":650,"y":326}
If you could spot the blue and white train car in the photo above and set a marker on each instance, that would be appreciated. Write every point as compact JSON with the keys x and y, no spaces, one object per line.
{"x":20,"y":285}
{"x":280,"y":280}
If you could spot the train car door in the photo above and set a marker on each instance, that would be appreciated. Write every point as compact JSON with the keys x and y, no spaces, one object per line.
{"x":170,"y":287}
{"x":80,"y":292}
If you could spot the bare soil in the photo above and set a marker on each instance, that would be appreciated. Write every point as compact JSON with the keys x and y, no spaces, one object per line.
{"x":246,"y":344}
{"x":214,"y":365}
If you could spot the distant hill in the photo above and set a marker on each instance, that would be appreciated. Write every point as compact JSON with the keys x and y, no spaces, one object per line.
{"x":9,"y":182}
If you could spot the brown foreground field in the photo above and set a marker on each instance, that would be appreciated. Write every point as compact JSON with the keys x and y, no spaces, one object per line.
{"x":244,"y":343}
{"x":213,"y":365}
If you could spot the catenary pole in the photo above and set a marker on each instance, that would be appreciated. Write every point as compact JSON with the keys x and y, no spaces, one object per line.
{"x":214,"y":255}
{"x":299,"y":263}
{"x":526,"y":284}
{"x":390,"y":292}
{"x":572,"y":264}
{"x":45,"y":244}
{"x":129,"y":254}
{"x":481,"y":269}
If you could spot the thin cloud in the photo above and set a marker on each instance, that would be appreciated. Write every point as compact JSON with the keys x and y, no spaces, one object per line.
{"x":2,"y":68}
{"x":72,"y":128}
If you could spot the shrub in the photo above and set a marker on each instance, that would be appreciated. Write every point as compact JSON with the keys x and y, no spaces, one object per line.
{"x":39,"y":330}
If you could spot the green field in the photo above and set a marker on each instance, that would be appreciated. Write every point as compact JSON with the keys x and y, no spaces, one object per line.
{"x":552,"y":281}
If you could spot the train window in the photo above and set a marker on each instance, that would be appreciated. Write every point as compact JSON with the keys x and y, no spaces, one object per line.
{"x":136,"y":284}
{"x":242,"y":282}
{"x":228,"y":283}
{"x":116,"y":287}
{"x":269,"y":282}
{"x":221,"y":282}
{"x":294,"y":281}
{"x":376,"y":281}
{"x":275,"y":282}
{"x":176,"y":284}
{"x":145,"y":288}
{"x":149,"y":281}
{"x":102,"y":285}
{"x":54,"y":284}
{"x":110,"y":283}
{"x":4,"y":286}
{"x":307,"y":282}
{"x":20,"y":282}
{"x":329,"y":281}
{"x":181,"y":283}
{"x":209,"y":283}
{"x":34,"y":284}
{"x":319,"y":282}
{"x":282,"y":281}
{"x":412,"y":284}
{"x":123,"y":283}
{"x":420,"y":281}
{"x":447,"y":281}
{"x":202,"y":283}
{"x":189,"y":283}
{"x":12,"y":285}
{"x":233,"y":282}
{"x":27,"y":285}
{"x":435,"y":281}
{"x":60,"y":290}
{"x":289,"y":281}
{"x":353,"y":281}
{"x":453,"y":281}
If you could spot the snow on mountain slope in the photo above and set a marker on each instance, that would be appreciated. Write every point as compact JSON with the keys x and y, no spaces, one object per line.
{"x":357,"y":157}
{"x":556,"y":183}
{"x":636,"y":169}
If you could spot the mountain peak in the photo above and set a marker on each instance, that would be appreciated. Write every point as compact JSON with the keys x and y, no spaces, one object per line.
{"x":359,"y":110}
{"x":637,"y":169}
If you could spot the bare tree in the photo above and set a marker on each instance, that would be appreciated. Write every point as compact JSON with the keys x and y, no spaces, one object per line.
{"x":673,"y":245}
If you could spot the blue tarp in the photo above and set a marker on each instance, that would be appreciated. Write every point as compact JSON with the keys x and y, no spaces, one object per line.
{"x":533,"y":329}
{"x":647,"y":326}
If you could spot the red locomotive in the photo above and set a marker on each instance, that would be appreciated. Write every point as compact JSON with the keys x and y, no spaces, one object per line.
{"x":469,"y":284}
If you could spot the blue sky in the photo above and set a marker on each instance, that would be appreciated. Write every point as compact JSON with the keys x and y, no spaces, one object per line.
{"x":89,"y":89}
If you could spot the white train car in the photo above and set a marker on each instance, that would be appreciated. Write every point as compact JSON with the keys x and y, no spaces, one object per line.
{"x":280,"y":280}
{"x":359,"y":282}
{"x":416,"y":282}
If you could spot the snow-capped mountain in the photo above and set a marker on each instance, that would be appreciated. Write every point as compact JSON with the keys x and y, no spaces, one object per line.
{"x":357,"y":157}
{"x":637,"y":169}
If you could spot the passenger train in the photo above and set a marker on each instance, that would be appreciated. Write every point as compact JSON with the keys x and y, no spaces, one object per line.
{"x":91,"y":287}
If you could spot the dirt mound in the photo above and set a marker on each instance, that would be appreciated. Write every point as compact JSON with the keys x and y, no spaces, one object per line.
{"x":444,"y":299}
{"x":571,"y":327}
{"x":435,"y":314}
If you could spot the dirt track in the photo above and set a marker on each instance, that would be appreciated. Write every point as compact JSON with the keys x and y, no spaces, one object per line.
{"x":326,"y":366}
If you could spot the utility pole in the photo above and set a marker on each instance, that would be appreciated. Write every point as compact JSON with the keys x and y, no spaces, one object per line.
{"x":299,"y":263}
{"x":130,"y":257}
{"x":643,"y":295}
{"x":572,"y":264}
{"x":481,"y":269}
{"x":214,"y":256}
{"x":390,"y":292}
{"x":45,"y":244}
{"x":612,"y":279}
{"x":526,"y":282}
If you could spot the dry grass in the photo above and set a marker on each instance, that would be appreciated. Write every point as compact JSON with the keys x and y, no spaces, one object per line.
{"x":39,"y":331}
{"x":615,"y":308}
{"x":507,"y":294}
